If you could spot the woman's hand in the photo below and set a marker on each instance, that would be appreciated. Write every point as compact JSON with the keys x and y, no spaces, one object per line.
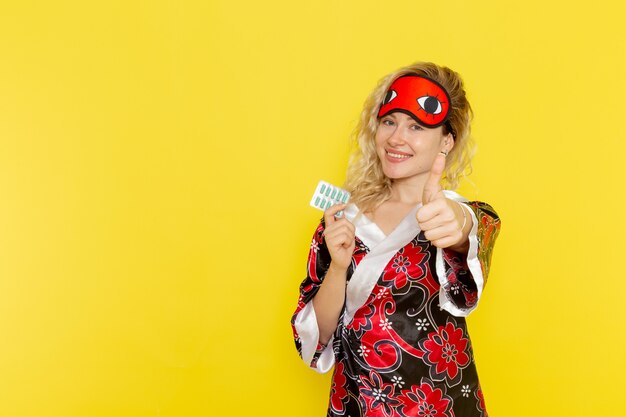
{"x":339,"y":236}
{"x":444,"y":222}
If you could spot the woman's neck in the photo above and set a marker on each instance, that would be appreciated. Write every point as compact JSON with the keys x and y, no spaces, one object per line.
{"x":407,"y":191}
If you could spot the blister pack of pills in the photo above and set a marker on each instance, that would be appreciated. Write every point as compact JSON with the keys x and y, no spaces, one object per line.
{"x":327,"y":195}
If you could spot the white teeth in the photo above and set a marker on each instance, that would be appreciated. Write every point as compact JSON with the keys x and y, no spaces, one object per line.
{"x":395,"y":155}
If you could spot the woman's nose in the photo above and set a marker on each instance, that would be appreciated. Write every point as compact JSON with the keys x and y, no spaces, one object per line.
{"x":397,"y":137}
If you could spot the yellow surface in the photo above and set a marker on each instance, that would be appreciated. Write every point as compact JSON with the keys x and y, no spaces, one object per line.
{"x":156,"y":162}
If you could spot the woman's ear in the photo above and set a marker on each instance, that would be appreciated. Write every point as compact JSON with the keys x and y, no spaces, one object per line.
{"x":448,"y":143}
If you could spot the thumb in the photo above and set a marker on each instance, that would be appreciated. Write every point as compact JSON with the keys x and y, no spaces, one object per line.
{"x":329,"y":214}
{"x":432,"y":186}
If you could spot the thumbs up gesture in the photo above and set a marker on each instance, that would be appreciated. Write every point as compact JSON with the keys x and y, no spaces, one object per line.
{"x":444,"y":222}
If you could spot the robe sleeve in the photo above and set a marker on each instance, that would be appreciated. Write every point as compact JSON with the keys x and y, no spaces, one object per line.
{"x":304,"y":323}
{"x":463,"y":278}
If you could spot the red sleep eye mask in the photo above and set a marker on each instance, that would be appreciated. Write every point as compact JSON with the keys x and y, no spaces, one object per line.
{"x":425,"y":100}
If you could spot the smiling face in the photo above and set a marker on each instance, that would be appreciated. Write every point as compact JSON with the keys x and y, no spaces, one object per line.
{"x":407,"y":149}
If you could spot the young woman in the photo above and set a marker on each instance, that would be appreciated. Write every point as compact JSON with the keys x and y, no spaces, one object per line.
{"x":390,"y":281}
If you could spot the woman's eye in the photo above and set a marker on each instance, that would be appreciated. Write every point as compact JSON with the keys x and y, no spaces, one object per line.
{"x":388,"y":122}
{"x":417,"y":127}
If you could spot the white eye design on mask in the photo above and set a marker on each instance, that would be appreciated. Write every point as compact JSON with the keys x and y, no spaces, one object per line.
{"x":391,"y":94}
{"x":430,"y":104}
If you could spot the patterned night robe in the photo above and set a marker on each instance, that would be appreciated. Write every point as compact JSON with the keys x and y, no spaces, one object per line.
{"x":401,"y":347}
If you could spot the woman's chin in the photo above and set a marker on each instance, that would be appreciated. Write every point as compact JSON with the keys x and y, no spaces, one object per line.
{"x":393,"y":171}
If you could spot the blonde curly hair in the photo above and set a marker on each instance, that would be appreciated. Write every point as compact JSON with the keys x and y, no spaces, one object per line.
{"x":365,"y":180}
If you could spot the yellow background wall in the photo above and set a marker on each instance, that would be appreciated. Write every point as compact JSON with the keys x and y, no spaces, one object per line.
{"x":156,"y":162}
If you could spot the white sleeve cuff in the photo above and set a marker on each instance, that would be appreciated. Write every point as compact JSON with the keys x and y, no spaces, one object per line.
{"x":474,"y":267}
{"x":306,"y":327}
